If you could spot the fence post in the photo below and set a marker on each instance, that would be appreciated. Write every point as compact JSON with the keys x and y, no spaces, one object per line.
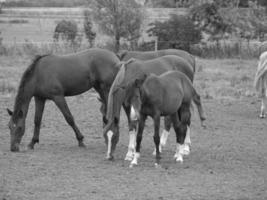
{"x":156,"y":43}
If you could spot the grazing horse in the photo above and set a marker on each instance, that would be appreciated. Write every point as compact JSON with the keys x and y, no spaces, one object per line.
{"x":148,"y":55}
{"x":118,"y":96}
{"x":52,"y":77}
{"x":260,"y":82}
{"x":169,"y":94}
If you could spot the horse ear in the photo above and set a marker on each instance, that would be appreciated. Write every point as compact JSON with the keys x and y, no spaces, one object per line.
{"x":121,"y":54}
{"x":140,"y":81}
{"x":9,"y":112}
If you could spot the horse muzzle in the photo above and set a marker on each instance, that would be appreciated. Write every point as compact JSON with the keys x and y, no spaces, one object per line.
{"x":14,"y":147}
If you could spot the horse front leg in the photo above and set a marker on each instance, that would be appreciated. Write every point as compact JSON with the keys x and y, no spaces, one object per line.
{"x":263,"y":101}
{"x":132,"y":134}
{"x":156,"y":137}
{"x":165,"y":134}
{"x":141,"y":126}
{"x":39,"y":109}
{"x":63,"y":107}
{"x":182,"y":131}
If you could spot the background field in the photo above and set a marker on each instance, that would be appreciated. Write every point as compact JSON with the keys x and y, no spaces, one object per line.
{"x":227,"y":161}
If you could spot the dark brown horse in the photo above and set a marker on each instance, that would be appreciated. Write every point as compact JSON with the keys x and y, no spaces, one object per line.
{"x":118,"y":96}
{"x":169,"y":94}
{"x":148,"y":55}
{"x":54,"y":77}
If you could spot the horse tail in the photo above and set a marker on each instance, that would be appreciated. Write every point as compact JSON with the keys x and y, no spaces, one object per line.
{"x":259,"y":82}
{"x":197,"y":101}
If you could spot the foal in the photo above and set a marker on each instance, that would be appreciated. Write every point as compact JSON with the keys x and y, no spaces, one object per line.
{"x":164,"y":95}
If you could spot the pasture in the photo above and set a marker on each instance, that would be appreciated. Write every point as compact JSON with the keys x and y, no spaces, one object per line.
{"x":227,"y":160}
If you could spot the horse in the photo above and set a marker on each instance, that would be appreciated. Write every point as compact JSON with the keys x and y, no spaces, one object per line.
{"x":52,"y":77}
{"x":148,"y":55}
{"x":169,"y":94}
{"x":129,"y":71}
{"x":260,"y":82}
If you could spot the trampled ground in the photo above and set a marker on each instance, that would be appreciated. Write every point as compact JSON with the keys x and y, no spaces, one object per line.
{"x":227,"y":161}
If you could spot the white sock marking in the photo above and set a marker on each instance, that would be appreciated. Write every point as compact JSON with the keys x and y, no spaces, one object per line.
{"x":187,"y":136}
{"x":179,"y":153}
{"x":131,"y":146}
{"x":133,"y":114}
{"x":164,"y":137}
{"x":135,"y":159}
{"x":109,"y":134}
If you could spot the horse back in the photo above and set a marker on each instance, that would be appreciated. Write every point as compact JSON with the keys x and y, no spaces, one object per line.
{"x":148,"y":55}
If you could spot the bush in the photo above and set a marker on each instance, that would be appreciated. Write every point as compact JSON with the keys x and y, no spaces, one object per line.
{"x":66,"y":30}
{"x":178,"y":32}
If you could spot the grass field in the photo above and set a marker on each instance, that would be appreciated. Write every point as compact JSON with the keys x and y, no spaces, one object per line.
{"x":227,"y":161}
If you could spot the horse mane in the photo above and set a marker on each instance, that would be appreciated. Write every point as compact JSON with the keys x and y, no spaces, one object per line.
{"x":115,"y":85}
{"x":24,"y":79}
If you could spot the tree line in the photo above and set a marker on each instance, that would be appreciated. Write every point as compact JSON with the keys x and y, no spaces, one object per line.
{"x":214,"y":20}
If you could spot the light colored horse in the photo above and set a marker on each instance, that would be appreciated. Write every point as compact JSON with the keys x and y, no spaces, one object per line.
{"x":260,"y":82}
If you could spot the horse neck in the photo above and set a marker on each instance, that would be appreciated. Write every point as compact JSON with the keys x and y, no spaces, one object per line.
{"x":22,"y":101}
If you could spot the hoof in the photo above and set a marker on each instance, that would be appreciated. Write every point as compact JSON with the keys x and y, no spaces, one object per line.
{"x":82,"y":145}
{"x":132,"y":165}
{"x":157,"y":166}
{"x":179,"y":159}
{"x":129,"y":156}
{"x":262,"y":116}
{"x":186,"y":150}
{"x":14,"y":149}
{"x":30,"y":146}
{"x":110,"y":158}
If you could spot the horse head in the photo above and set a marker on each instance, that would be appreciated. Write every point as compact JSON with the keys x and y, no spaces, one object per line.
{"x":17,"y":127}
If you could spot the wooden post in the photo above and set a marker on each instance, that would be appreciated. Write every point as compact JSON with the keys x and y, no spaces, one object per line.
{"x":156,"y":43}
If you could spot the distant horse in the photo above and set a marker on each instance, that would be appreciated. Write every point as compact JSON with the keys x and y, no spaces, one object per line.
{"x":169,"y":94}
{"x":148,"y":55}
{"x":54,"y":77}
{"x":260,"y":82}
{"x":120,"y":95}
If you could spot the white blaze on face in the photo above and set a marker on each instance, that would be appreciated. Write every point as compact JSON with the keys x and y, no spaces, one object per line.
{"x":133,"y":114}
{"x":109,"y":135}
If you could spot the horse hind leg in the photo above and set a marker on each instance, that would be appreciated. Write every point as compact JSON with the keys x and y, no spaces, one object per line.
{"x":39,"y":109}
{"x":263,"y":103}
{"x":132,"y":134}
{"x":63,"y":107}
{"x":157,"y":138}
{"x":165,"y":134}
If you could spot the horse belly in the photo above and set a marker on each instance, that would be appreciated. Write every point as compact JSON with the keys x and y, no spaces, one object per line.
{"x":77,"y":87}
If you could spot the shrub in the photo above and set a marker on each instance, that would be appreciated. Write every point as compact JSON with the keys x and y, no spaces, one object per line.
{"x":178,"y":32}
{"x":66,"y":30}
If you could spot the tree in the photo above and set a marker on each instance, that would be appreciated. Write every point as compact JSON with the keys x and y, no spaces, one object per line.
{"x":67,"y":30}
{"x":177,"y":32}
{"x":88,"y":26}
{"x":209,"y":20}
{"x":118,"y":18}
